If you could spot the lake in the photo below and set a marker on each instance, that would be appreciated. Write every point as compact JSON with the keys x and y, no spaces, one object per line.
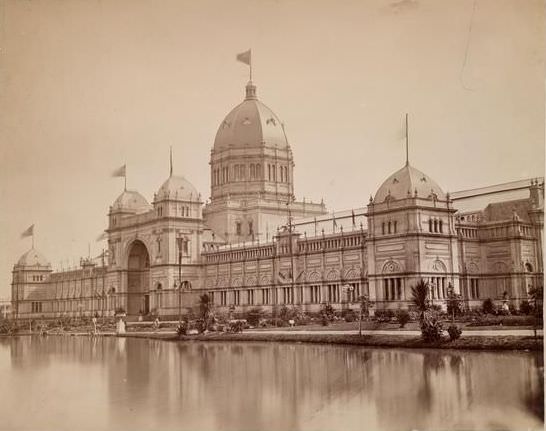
{"x":106,"y":383}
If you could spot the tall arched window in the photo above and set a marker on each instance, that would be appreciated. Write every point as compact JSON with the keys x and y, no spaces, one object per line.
{"x":383,"y":228}
{"x":441,"y":226}
{"x":252,"y":171}
{"x":435,"y":225}
{"x":258,"y":172}
{"x":389,"y":227}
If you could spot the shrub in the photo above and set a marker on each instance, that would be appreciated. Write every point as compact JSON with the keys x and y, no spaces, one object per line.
{"x":414,"y":315}
{"x":525,"y":307}
{"x":182,"y":329}
{"x":200,"y":325}
{"x":327,"y":312}
{"x":403,"y":317}
{"x":284,"y":313}
{"x":488,"y":307}
{"x":431,"y":328}
{"x":254,"y":316}
{"x":454,"y":332}
{"x":384,"y":315}
{"x":236,"y":326}
{"x":349,"y":315}
{"x":512,"y":308}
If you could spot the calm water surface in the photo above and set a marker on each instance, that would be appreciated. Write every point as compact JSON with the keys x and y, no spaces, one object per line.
{"x":78,"y":383}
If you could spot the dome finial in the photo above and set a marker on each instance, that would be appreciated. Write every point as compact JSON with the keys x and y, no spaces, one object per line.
{"x":250,"y":91}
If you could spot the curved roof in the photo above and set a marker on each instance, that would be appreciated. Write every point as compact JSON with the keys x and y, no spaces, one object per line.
{"x":131,"y":200}
{"x":250,"y":123}
{"x":33,"y":258}
{"x":408,"y":181}
{"x":177,"y":188}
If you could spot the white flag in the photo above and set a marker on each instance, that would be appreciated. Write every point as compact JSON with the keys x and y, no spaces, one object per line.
{"x":102,"y":236}
{"x":119,"y":172}
{"x":28,"y":232}
{"x":245,"y":57}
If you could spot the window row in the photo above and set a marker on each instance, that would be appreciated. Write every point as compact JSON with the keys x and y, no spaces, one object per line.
{"x":36,"y":307}
{"x":315,"y":294}
{"x":472,"y":288}
{"x":438,"y":287}
{"x":239,"y":228}
{"x":242,"y":172}
{"x":435,"y":226}
{"x":389,"y":227}
{"x":37,"y":278}
{"x":392,"y":289}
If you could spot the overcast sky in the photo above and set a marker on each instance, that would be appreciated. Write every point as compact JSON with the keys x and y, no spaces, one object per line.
{"x":86,"y":86}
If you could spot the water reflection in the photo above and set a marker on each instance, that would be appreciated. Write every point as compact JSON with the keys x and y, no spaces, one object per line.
{"x":108,"y":383}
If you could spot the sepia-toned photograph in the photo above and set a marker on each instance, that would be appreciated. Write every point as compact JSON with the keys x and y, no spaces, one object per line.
{"x":272,"y":215}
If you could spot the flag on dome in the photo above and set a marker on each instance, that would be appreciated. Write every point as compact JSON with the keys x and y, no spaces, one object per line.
{"x":119,"y":172}
{"x":245,"y":57}
{"x":28,"y":232}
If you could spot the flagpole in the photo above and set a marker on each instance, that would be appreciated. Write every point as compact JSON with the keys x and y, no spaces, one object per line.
{"x":407,"y":141}
{"x":171,"y":160}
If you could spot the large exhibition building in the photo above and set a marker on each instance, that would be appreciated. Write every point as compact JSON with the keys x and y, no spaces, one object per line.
{"x":254,"y":245}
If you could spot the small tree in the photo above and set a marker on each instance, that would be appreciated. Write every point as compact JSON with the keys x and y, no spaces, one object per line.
{"x":365,"y":305}
{"x":454,"y":302}
{"x":326,"y":313}
{"x":536,"y":295}
{"x":205,"y":308}
{"x":403,"y":317}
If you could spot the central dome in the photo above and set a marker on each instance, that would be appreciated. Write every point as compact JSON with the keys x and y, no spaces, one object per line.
{"x":406,"y":182}
{"x":250,"y":123}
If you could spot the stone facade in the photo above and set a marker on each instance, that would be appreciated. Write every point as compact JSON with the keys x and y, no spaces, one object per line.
{"x":254,"y":245}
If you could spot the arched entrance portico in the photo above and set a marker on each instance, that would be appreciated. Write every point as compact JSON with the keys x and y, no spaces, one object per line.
{"x":138,"y":279}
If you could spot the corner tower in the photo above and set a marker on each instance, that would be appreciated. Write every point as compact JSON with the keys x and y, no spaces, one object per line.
{"x":411,"y":236}
{"x":252,"y":167}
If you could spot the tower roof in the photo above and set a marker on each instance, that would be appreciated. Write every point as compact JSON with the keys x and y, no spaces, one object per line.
{"x":250,"y":123}
{"x":131,"y":200}
{"x":177,"y":188}
{"x":33,"y":258}
{"x":408,"y":181}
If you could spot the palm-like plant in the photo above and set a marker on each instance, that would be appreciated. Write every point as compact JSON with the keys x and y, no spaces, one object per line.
{"x":431,"y":327}
{"x":419,"y":294}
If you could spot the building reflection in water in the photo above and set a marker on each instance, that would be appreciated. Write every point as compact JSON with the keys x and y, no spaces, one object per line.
{"x":109,"y":383}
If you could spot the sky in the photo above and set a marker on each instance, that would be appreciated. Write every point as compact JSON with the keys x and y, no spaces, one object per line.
{"x":87,"y":86}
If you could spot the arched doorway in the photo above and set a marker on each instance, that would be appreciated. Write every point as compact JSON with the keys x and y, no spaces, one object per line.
{"x":138,"y":279}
